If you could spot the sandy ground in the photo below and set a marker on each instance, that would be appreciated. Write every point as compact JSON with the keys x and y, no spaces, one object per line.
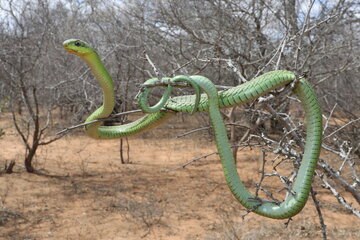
{"x":86,"y":193}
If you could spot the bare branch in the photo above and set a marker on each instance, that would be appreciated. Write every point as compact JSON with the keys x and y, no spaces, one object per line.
{"x":298,"y":49}
{"x":112,"y":117}
{"x":342,"y":127}
{"x":340,"y":199}
{"x":318,"y":210}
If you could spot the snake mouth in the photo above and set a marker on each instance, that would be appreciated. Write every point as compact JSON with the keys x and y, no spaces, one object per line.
{"x":75,"y":52}
{"x":72,"y":51}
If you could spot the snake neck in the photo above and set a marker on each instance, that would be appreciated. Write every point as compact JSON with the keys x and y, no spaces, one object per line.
{"x":106,"y":83}
{"x":94,"y":62}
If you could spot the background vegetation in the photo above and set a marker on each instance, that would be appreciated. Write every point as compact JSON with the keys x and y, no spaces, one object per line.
{"x":228,"y":41}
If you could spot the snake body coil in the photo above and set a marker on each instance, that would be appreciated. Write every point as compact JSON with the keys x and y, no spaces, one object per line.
{"x":211,"y":101}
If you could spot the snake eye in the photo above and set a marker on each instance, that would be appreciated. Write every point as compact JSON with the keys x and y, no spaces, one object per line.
{"x":77,"y":43}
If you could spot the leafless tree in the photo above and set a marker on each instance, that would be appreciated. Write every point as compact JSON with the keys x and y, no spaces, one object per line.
{"x":28,"y":64}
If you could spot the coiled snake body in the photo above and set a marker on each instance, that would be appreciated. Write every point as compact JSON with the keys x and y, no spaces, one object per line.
{"x":211,"y":101}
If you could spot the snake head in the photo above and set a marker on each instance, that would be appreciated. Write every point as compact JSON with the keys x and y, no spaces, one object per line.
{"x":77,"y":47}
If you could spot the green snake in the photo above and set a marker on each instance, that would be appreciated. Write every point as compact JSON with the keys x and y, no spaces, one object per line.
{"x":211,"y":101}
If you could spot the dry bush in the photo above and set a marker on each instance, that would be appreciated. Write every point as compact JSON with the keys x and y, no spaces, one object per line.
{"x":145,"y":213}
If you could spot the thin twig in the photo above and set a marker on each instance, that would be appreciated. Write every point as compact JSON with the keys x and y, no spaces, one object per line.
{"x":328,"y":119}
{"x":283,"y":44}
{"x":192,"y":131}
{"x":279,"y":49}
{"x":112,"y":117}
{"x":156,"y":71}
{"x":298,"y":34}
{"x":231,"y":65}
{"x":287,"y":125}
{"x":298,"y":48}
{"x":340,"y":199}
{"x":318,"y":209}
{"x":206,"y":128}
{"x":344,"y":154}
{"x":258,"y":186}
{"x":344,"y":126}
{"x":164,"y":83}
{"x":334,"y":175}
{"x":191,"y":161}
